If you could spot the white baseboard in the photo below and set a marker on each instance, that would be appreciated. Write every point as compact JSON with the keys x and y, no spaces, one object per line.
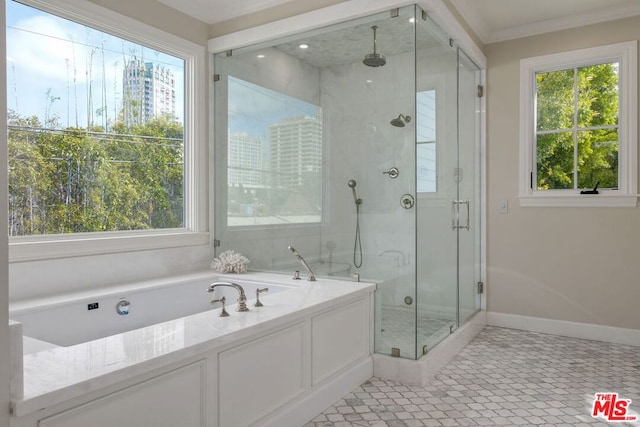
{"x":321,"y":397}
{"x":564,"y":328}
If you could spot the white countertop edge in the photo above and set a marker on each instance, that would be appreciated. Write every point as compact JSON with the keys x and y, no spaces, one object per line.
{"x":119,"y":372}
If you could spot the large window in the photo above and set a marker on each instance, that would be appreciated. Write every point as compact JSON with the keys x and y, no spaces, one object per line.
{"x":101,"y":131}
{"x":578,"y":123}
{"x":274,"y":150}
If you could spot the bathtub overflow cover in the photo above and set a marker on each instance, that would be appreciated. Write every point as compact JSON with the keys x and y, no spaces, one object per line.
{"x":122,"y":308}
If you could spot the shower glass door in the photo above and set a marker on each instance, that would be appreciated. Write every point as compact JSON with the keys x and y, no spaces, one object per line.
{"x":469,"y":189}
{"x":443,"y":209}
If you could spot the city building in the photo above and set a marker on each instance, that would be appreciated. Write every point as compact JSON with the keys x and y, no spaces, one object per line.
{"x":295,"y":147}
{"x":148,"y":91}
{"x":246,"y":160}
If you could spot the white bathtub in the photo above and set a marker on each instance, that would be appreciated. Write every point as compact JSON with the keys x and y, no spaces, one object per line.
{"x":74,"y":319}
{"x":307,"y":346}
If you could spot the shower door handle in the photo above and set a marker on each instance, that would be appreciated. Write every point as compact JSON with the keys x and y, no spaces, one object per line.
{"x":455,"y":214}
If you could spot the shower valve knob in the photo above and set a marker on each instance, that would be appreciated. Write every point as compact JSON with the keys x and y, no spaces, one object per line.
{"x":393,"y":172}
{"x":407,"y":201}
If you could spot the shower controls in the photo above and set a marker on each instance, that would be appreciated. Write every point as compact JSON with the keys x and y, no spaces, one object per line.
{"x":122,"y":308}
{"x":408,"y":300}
{"x":407,"y":201}
{"x":393,"y":172}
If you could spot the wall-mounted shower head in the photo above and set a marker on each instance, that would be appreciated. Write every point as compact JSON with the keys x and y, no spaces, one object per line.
{"x":352,"y":184}
{"x":374,"y":59}
{"x":400,"y":121}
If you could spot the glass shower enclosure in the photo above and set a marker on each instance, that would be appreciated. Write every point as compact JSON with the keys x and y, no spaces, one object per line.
{"x":356,"y":144}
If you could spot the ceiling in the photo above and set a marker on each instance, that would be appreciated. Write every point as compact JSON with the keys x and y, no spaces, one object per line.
{"x":492,"y":20}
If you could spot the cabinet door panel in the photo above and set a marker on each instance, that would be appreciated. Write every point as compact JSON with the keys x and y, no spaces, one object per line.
{"x":169,"y":400}
{"x":260,"y":376}
{"x":339,"y":338}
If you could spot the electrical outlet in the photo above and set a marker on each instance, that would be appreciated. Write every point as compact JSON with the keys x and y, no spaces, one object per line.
{"x":503,"y":206}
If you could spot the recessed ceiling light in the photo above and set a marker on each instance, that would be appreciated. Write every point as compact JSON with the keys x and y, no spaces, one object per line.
{"x":412,"y":20}
{"x":304,"y":46}
{"x":369,"y":81}
{"x":261,"y":56}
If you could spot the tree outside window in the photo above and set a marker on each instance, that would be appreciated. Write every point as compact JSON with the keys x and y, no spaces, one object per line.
{"x":577,"y":127}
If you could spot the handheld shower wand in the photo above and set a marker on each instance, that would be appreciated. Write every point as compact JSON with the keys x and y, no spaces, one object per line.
{"x":357,"y":245}
{"x":312,"y":277}
{"x":352,"y":184}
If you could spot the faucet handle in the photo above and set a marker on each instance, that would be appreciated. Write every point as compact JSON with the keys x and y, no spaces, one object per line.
{"x":223,"y":312}
{"x":258,"y":292}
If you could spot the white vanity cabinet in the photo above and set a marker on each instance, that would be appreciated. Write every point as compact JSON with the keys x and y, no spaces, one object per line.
{"x":279,"y":375}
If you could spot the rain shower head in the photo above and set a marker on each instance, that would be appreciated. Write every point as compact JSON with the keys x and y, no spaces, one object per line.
{"x":400,"y":121}
{"x":374,"y":59}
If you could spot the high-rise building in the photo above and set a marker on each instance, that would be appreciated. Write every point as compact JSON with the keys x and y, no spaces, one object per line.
{"x":245,"y":160}
{"x":148,"y":91}
{"x":295,"y":147}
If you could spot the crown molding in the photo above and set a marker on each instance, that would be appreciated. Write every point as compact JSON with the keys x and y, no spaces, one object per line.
{"x":564,"y":23}
{"x":471,"y":14}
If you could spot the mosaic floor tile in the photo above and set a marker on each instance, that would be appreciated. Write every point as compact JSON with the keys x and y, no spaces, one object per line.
{"x":504,"y":377}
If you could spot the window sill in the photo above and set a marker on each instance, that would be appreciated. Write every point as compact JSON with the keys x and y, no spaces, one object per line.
{"x":580,"y":201}
{"x":35,"y":248}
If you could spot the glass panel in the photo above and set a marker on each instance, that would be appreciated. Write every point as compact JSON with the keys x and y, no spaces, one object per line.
{"x":555,"y":161}
{"x":554,"y":100}
{"x":365,"y":118}
{"x":598,"y":158}
{"x":469,"y":188}
{"x":274,"y":157}
{"x":436,"y":278}
{"x":598,"y":95}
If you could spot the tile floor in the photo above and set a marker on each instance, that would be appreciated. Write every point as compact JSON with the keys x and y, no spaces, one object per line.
{"x":504,"y":377}
{"x":399,"y":331}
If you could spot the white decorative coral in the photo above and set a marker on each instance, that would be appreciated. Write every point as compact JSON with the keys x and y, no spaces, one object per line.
{"x":230,"y":262}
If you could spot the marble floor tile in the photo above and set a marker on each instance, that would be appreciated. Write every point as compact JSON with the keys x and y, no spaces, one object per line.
{"x":504,"y":377}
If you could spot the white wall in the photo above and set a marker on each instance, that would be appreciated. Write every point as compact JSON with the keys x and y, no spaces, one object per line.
{"x":361,"y":145}
{"x":572,"y":264}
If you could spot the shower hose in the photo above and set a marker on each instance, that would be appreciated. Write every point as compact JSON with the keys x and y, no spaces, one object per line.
{"x":357,"y":244}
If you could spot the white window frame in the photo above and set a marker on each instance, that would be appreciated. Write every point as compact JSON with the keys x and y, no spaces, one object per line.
{"x":195,"y":230}
{"x":626,"y":195}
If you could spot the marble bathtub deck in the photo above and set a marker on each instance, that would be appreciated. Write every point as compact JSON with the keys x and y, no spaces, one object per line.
{"x":504,"y":377}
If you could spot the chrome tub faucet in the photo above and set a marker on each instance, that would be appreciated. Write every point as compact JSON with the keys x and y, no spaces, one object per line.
{"x":242,"y":298}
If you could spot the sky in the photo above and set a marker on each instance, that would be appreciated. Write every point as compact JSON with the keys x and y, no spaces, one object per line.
{"x":54,"y":64}
{"x":253,"y":108}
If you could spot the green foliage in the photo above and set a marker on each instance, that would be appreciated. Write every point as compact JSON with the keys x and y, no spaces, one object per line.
{"x":73,"y":180}
{"x":566,"y":141}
